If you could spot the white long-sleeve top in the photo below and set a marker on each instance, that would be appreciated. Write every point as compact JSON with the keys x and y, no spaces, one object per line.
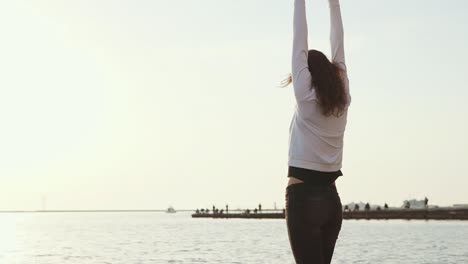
{"x":315,"y":140}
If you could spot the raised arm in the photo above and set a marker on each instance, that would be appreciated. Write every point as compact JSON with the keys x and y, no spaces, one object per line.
{"x":300,"y":71}
{"x":337,"y":34}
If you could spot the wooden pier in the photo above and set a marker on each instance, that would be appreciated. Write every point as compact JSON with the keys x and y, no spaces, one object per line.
{"x":405,"y":214}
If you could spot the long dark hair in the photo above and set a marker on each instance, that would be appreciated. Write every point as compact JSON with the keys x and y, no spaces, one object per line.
{"x":327,"y":79}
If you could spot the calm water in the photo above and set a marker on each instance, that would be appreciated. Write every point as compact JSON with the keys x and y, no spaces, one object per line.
{"x":129,"y":238}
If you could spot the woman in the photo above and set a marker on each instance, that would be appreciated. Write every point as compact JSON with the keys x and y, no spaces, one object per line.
{"x":313,"y":206}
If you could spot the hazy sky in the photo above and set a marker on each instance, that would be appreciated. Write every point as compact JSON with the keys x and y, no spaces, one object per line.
{"x":145,"y":104}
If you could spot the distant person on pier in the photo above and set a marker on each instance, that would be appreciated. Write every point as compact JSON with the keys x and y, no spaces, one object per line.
{"x":321,"y":89}
{"x":407,"y":205}
{"x":367,"y":207}
{"x":356,"y":207}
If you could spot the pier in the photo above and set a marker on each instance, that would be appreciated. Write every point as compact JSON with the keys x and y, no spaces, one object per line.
{"x":449,"y":213}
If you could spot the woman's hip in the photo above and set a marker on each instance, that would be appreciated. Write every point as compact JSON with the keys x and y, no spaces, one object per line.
{"x":323,"y":200}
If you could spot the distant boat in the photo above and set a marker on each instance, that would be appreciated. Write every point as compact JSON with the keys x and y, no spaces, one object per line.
{"x":170,"y":210}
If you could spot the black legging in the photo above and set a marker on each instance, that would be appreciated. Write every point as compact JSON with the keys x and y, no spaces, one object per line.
{"x":313,"y":215}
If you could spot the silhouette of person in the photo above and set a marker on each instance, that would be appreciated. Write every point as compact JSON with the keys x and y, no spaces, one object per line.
{"x":367,"y":207}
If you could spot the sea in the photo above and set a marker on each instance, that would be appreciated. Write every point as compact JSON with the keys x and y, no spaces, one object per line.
{"x":158,"y":237}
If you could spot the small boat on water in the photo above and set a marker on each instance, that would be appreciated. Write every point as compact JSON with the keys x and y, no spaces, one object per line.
{"x":170,"y":210}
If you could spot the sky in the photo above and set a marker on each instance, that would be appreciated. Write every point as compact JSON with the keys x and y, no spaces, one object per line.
{"x":145,"y":104}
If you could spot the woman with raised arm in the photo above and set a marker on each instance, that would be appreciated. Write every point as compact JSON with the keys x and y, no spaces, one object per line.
{"x":313,"y":206}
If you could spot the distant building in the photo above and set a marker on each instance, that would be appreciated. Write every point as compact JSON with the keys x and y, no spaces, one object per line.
{"x":460,"y":205}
